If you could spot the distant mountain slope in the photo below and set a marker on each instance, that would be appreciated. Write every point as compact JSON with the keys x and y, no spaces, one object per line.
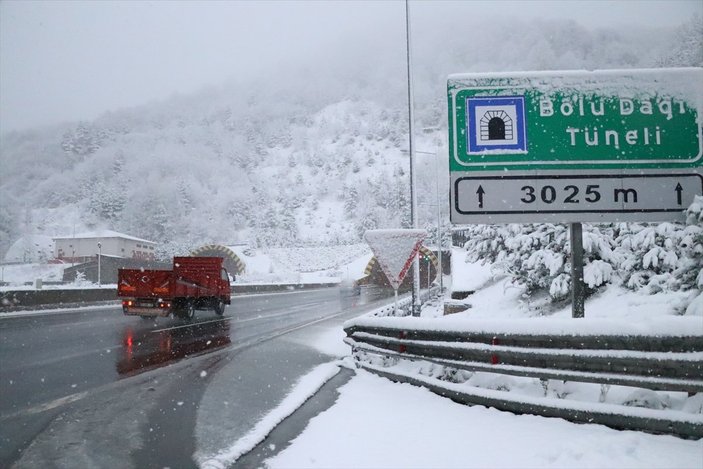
{"x":313,"y":155}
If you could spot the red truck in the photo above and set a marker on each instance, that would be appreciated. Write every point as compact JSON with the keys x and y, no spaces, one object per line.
{"x":194,"y":283}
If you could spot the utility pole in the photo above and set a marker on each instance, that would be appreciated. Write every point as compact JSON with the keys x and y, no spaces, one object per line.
{"x":413,"y":195}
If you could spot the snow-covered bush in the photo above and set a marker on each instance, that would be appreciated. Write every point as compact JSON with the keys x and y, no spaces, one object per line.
{"x":537,"y":257}
{"x":663,"y":257}
{"x":692,"y":246}
{"x":648,"y":257}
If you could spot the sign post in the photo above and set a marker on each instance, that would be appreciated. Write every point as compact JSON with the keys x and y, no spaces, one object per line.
{"x":578,"y":288}
{"x":395,"y":251}
{"x":575,"y":146}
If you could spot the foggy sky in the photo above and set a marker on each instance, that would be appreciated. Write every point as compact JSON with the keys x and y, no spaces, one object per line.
{"x":63,"y":61}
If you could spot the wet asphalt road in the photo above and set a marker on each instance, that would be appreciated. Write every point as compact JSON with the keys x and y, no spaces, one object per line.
{"x":96,"y":388}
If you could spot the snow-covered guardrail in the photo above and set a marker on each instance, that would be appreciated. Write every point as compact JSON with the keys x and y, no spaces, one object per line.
{"x":653,"y":362}
{"x":405,"y":304}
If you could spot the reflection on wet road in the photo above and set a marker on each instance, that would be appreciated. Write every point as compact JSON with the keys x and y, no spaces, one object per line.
{"x":144,"y":348}
{"x":147,"y":344}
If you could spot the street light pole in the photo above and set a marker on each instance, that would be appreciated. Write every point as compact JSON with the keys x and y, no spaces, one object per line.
{"x":100,"y":255}
{"x":439,"y":216}
{"x":413,"y":195}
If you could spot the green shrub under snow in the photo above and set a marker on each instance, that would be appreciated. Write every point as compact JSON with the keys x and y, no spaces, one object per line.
{"x":641,"y":257}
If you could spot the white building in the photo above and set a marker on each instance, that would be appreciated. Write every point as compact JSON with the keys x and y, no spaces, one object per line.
{"x":85,"y":246}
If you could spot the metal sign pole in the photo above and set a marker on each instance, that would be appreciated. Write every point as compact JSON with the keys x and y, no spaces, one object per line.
{"x":578,"y":288}
{"x":428,"y":274}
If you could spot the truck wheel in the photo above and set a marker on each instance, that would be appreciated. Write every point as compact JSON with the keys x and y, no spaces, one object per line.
{"x":220,"y":308}
{"x":189,"y":311}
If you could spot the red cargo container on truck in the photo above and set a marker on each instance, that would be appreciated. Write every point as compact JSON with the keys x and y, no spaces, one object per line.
{"x":194,"y":283}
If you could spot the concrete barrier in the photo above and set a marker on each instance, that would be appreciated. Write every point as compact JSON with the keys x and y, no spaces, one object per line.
{"x":13,"y":300}
{"x":22,"y":299}
{"x":265,"y":288}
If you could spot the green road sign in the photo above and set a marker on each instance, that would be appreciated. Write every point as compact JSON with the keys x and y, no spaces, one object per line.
{"x":572,"y":135}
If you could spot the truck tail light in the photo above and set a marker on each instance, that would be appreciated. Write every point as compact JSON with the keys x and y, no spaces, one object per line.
{"x":127,"y":303}
{"x":164,"y":304}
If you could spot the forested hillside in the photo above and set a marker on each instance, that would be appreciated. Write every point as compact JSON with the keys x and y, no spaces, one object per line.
{"x":313,"y":155}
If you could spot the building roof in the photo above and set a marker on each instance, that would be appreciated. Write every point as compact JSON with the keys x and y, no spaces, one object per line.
{"x":103,"y":234}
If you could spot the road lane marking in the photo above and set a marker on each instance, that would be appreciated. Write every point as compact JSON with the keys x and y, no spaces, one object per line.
{"x":38,"y":409}
{"x":291,"y":310}
{"x":195,"y":324}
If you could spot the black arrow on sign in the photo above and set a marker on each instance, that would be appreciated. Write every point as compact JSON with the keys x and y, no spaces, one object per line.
{"x":480,"y":193}
{"x":679,"y":190}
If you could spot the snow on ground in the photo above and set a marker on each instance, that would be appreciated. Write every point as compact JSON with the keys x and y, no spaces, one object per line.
{"x":501,"y":308}
{"x":19,"y":274}
{"x":30,"y":248}
{"x":496,"y":297}
{"x":501,"y":299}
{"x":468,"y":276}
{"x":331,"y":342}
{"x":376,"y":423}
{"x":318,"y":264}
{"x":379,"y":424}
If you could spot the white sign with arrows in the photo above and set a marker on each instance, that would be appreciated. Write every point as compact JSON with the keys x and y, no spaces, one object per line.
{"x":588,"y":197}
{"x":394,"y":250}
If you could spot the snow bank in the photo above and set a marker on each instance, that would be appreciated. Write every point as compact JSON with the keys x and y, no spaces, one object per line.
{"x":370,"y":427}
{"x":303,"y":264}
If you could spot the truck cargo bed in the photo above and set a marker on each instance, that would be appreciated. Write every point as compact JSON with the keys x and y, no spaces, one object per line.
{"x":140,"y":283}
